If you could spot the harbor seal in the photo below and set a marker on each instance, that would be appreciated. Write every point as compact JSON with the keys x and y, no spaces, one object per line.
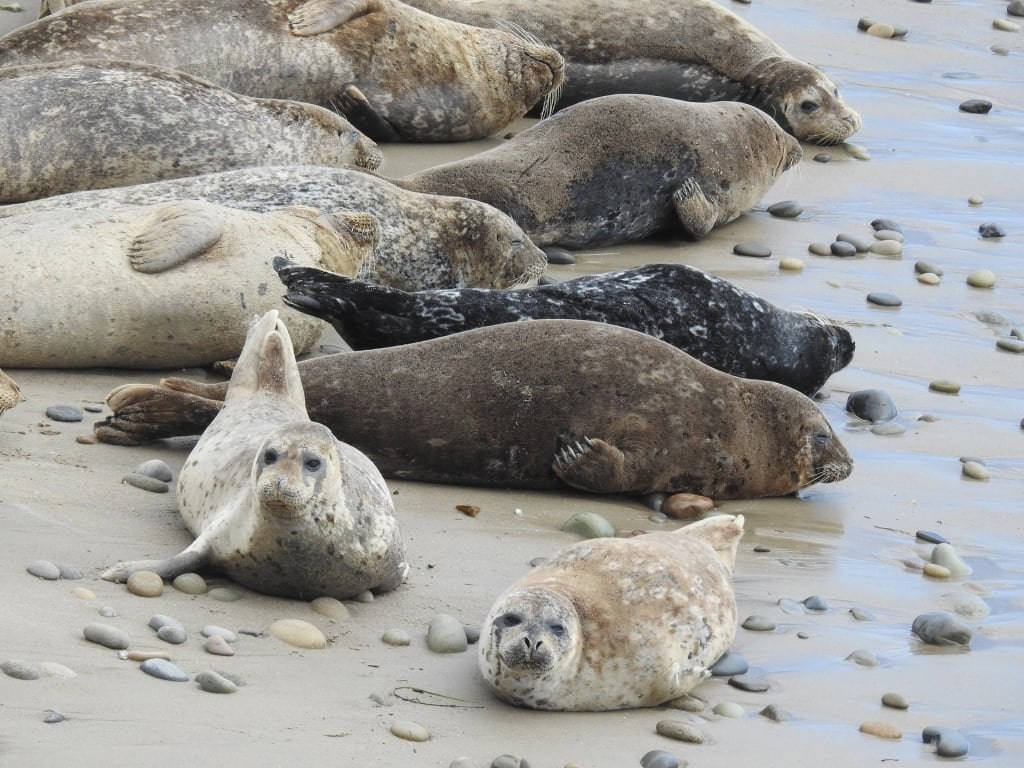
{"x":540,"y":405}
{"x":622,"y":168}
{"x":696,"y":50}
{"x":615,"y":623}
{"x":165,"y":286}
{"x":94,"y":124}
{"x":426,"y":241}
{"x":717,"y":322}
{"x":10,"y":393}
{"x":419,"y":77}
{"x":274,"y":500}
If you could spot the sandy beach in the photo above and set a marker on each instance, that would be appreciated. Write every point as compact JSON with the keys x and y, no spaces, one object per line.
{"x":63,"y":501}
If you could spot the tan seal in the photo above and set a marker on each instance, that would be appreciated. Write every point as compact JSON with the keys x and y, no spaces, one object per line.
{"x":540,"y":404}
{"x":615,"y":623}
{"x":95,"y":124}
{"x":696,"y":50}
{"x":411,"y":76}
{"x":163,"y":286}
{"x":620,"y":168}
{"x":10,"y":394}
{"x":274,"y":500}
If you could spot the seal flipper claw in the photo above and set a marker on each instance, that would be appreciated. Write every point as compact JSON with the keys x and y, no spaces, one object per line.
{"x":695,"y":211}
{"x":598,"y":467}
{"x":179,"y":231}
{"x":317,"y":16}
{"x":353,"y":105}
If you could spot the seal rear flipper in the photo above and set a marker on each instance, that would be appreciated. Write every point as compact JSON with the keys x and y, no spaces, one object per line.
{"x":190,"y":559}
{"x":179,"y":231}
{"x":695,"y":211}
{"x":145,"y":412}
{"x":267,"y":363}
{"x":317,"y":16}
{"x":353,"y":105}
{"x":594,"y":465}
{"x":722,"y":533}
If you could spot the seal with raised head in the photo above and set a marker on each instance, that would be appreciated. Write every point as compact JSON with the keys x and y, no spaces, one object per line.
{"x":426,"y":241}
{"x":615,"y":623}
{"x":706,"y":316}
{"x":414,"y":76}
{"x":545,"y":404}
{"x":163,"y":286}
{"x":696,"y":50}
{"x":273,"y":499}
{"x":622,"y":168}
{"x":94,"y":124}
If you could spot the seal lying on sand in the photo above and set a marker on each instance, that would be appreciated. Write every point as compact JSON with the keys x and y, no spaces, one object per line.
{"x":695,"y":50}
{"x":621,"y":168}
{"x":88,"y":125}
{"x":426,"y":241}
{"x":10,"y":394}
{"x":717,"y":322}
{"x":540,"y":405}
{"x":164,"y":286}
{"x":274,"y":500}
{"x":421,"y":77}
{"x":616,"y":623}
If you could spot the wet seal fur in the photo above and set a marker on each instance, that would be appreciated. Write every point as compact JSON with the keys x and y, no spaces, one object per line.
{"x":410,"y":75}
{"x":541,"y":405}
{"x":717,"y":322}
{"x":163,"y":286}
{"x":95,"y":124}
{"x":622,"y":168}
{"x":426,"y":241}
{"x":696,"y":50}
{"x":615,"y":623}
{"x":274,"y":500}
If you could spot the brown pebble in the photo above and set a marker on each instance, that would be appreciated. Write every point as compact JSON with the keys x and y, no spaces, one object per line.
{"x":144,"y":655}
{"x":218,"y":646}
{"x":686,"y":505}
{"x":145,"y":584}
{"x":881,"y":730}
{"x":86,"y":439}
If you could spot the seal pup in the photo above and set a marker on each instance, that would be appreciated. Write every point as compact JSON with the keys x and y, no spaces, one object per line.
{"x":696,"y":50}
{"x":615,"y":623}
{"x":94,"y":124}
{"x":426,"y":241}
{"x":541,"y":405}
{"x":706,"y":316}
{"x":622,"y":168}
{"x":164,"y":286}
{"x":420,"y":77}
{"x":10,"y":393}
{"x":273,"y":499}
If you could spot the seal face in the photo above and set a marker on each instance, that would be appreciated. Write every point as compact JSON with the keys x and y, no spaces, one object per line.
{"x":274,"y":500}
{"x":402,"y":73}
{"x":615,"y":623}
{"x":706,"y":316}
{"x":426,"y":241}
{"x":621,"y":168}
{"x":543,"y":404}
{"x":132,"y":123}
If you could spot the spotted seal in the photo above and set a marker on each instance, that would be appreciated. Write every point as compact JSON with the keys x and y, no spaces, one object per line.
{"x":163,"y":286}
{"x":622,"y":168}
{"x":695,"y":50}
{"x":706,"y":316}
{"x":10,"y":393}
{"x":94,"y":124}
{"x":273,"y":499}
{"x":544,"y":404}
{"x":615,"y":623}
{"x":426,"y":241}
{"x":412,"y":76}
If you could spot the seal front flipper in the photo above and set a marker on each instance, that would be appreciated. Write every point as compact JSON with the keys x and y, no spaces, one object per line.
{"x":695,"y":211}
{"x":178,"y":232}
{"x":318,"y":16}
{"x":594,"y":465}
{"x":353,"y":105}
{"x":190,"y":559}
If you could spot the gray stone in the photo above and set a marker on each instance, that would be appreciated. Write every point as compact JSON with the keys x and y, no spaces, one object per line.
{"x":895,"y":701}
{"x":164,"y":670}
{"x":397,"y":637}
{"x":932,"y":537}
{"x":860,"y":244}
{"x":106,"y":635}
{"x":68,"y":413}
{"x":863,"y":658}
{"x":212,"y":682}
{"x":976,"y":106}
{"x":674,"y":729}
{"x":889,"y":224}
{"x":942,"y":628}
{"x":872,"y":405}
{"x":145,"y":483}
{"x":20,"y":670}
{"x":659,"y":758}
{"x":69,"y":572}
{"x":212,"y":629}
{"x":948,"y":742}
{"x":175,"y":635}
{"x":884,"y":299}
{"x":991,"y":229}
{"x":842,"y":249}
{"x":861,"y":614}
{"x":786,"y":209}
{"x":816,"y":603}
{"x":730,"y":664}
{"x":757,"y":623}
{"x":755,"y":250}
{"x":749,"y":682}
{"x":446,"y":635}
{"x":924,"y":267}
{"x":946,"y":556}
{"x":589,"y":525}
{"x":44,"y":569}
{"x":155,"y":468}
{"x":776,"y":713}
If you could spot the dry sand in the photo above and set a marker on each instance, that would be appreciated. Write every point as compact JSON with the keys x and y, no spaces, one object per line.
{"x":64,"y":501}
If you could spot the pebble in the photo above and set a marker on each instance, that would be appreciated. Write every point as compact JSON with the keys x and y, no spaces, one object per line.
{"x":791,"y":264}
{"x":472,"y":633}
{"x":684,"y":506}
{"x":69,"y":572}
{"x":145,"y":584}
{"x":822,"y":157}
{"x":924,"y":267}
{"x":299,"y":633}
{"x":881,"y":30}
{"x":755,"y":250}
{"x":654,"y":517}
{"x":144,"y":655}
{"x":857,"y":152}
{"x":816,"y":603}
{"x":863,"y":658}
{"x":330,"y":607}
{"x":729,"y":709}
{"x":654,"y":501}
{"x":889,"y":224}
{"x":881,"y":730}
{"x":889,"y":234}
{"x":225,"y":594}
{"x":20,"y":670}
{"x":757,"y":623}
{"x":54,"y":716}
{"x":446,"y":635}
{"x":53,"y":669}
{"x":991,"y":230}
{"x":975,"y":200}
{"x":946,"y":555}
{"x":410,"y":731}
{"x":931,"y":537}
{"x":762,"y":548}
{"x":948,"y":742}
{"x":936,"y":571}
{"x":659,"y":758}
{"x":172,"y":634}
{"x":751,"y":683}
{"x":159,"y":620}
{"x":679,"y":731}
{"x":882,"y":299}
{"x":69,"y":413}
{"x":218,"y":646}
{"x":398,"y":637}
{"x":942,"y":628}
{"x":190,"y":584}
{"x":792,"y":607}
{"x":1015,"y":8}
{"x":106,"y":635}
{"x":687,"y":703}
{"x":164,"y":670}
{"x":146,"y":483}
{"x":864,"y":23}
{"x":975,"y":471}
{"x":729,"y":665}
{"x":861,"y":614}
{"x":891,"y":428}
{"x":558,"y":255}
{"x":786,"y":209}
{"x":83,"y":594}
{"x":861,"y":245}
{"x":212,"y":630}
{"x":776,"y":713}
{"x":155,"y":468}
{"x":462,"y":762}
{"x":44,"y":569}
{"x":820,"y":249}
{"x":872,"y":405}
{"x":967,"y":605}
{"x":999,"y":50}
{"x":1005,"y":25}
{"x":976,"y":106}
{"x":842,"y":249}
{"x":895,"y":701}
{"x":589,"y":525}
{"x":509,"y":761}
{"x":887,"y":248}
{"x":212,"y":682}
{"x":1010,"y":345}
{"x":945,"y":386}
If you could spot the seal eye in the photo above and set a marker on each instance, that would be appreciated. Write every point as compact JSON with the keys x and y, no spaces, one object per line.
{"x":822,"y":438}
{"x":508,"y":620}
{"x":312,"y":464}
{"x":807,"y":107}
{"x":269,"y":456}
{"x":558,"y":630}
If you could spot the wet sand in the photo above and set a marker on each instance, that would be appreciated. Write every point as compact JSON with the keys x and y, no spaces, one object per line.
{"x":64,"y":502}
